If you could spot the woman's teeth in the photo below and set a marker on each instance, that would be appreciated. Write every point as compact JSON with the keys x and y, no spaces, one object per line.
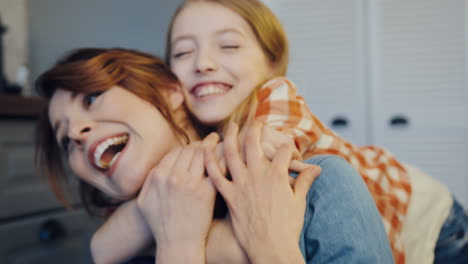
{"x":112,"y":146}
{"x":209,"y":90}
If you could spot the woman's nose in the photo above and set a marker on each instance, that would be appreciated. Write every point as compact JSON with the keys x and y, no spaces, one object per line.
{"x":80,"y":132}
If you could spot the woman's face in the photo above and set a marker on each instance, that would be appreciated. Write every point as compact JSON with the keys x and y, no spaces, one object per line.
{"x":111,"y":139}
{"x":216,"y":56}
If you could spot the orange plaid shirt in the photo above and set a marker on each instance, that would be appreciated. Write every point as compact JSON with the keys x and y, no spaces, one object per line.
{"x":280,"y":106}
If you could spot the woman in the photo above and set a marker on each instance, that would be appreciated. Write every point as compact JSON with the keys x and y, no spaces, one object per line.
{"x":122,"y":126}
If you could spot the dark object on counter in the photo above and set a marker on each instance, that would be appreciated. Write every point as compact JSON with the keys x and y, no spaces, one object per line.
{"x":5,"y":86}
{"x":51,"y":231}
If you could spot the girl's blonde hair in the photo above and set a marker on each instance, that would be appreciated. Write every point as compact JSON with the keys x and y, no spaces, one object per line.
{"x":270,"y":35}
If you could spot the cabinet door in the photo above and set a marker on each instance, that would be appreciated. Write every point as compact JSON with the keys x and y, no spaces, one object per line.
{"x":419,"y":86}
{"x":327,"y":60}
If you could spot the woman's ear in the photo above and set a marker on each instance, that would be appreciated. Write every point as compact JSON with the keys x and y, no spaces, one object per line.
{"x":176,"y":98}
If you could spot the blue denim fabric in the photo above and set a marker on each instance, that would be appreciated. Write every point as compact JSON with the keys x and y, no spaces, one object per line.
{"x":452,"y":244}
{"x":342,"y":223}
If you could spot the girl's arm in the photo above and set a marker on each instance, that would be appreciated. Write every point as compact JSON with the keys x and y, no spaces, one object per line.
{"x":125,"y":234}
{"x":122,"y":236}
{"x":281,"y":108}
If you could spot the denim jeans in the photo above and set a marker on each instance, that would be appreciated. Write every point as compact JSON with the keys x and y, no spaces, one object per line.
{"x":452,"y":244}
{"x":342,"y":223}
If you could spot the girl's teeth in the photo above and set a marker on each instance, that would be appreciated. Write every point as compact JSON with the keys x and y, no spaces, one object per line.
{"x":209,"y":90}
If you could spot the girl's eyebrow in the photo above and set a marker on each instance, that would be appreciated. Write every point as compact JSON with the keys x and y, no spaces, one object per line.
{"x":218,"y":32}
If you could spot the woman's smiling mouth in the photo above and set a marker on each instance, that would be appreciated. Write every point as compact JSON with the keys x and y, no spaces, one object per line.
{"x":105,"y":152}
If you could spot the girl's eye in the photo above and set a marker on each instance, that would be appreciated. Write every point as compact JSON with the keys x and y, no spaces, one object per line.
{"x":90,"y":98}
{"x":230,"y":47}
{"x":181,"y":54}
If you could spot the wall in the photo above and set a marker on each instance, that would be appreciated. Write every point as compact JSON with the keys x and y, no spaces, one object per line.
{"x":57,"y":26}
{"x":15,"y":40}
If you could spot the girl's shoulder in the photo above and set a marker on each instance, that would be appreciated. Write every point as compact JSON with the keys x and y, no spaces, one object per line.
{"x":277,"y":83}
{"x":280,"y":88}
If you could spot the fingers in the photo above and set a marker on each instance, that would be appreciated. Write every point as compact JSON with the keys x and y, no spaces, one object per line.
{"x":281,"y":160}
{"x":166,"y":164}
{"x":183,"y":163}
{"x":232,"y":156}
{"x":219,"y":154}
{"x":292,"y":180}
{"x":216,"y":176}
{"x":253,"y":149}
{"x":298,"y":165}
{"x":304,"y":180}
{"x":197,"y":165}
{"x":160,"y":173}
{"x":210,"y":141}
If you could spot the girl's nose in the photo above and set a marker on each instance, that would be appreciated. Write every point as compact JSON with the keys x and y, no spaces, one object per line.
{"x":205,"y":62}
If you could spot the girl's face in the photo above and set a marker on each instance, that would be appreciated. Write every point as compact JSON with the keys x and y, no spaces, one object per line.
{"x":111,"y":139}
{"x":218,"y":59}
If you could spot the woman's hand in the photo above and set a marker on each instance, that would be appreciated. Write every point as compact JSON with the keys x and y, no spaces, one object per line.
{"x":177,"y":202}
{"x":267,"y":213}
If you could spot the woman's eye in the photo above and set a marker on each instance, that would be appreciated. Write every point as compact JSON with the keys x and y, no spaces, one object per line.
{"x":89,"y":99}
{"x":65,"y":144}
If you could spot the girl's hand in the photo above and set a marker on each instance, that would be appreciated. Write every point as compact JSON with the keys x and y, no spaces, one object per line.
{"x":267,"y":213}
{"x":271,"y":141}
{"x":177,"y":201}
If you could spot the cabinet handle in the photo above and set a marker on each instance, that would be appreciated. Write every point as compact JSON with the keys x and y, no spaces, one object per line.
{"x":339,"y":122}
{"x":399,"y":121}
{"x":51,"y":230}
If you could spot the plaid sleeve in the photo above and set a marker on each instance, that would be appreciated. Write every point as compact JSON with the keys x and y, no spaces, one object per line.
{"x":280,"y":107}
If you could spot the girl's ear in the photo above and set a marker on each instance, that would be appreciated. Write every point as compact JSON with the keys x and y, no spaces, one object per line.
{"x":272,"y":69}
{"x":176,"y":98}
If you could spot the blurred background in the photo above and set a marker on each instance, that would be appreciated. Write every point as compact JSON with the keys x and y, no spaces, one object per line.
{"x":383,"y":72}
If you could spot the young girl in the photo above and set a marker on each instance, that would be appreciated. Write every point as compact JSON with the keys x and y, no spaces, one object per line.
{"x":223,"y":51}
{"x":117,"y":117}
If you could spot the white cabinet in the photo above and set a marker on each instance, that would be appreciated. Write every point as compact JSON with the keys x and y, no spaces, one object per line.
{"x":395,"y":70}
{"x":418,"y":53}
{"x":327,"y":60}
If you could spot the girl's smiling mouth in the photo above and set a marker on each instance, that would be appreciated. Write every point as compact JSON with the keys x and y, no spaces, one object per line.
{"x":104,"y":153}
{"x":205,"y":89}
